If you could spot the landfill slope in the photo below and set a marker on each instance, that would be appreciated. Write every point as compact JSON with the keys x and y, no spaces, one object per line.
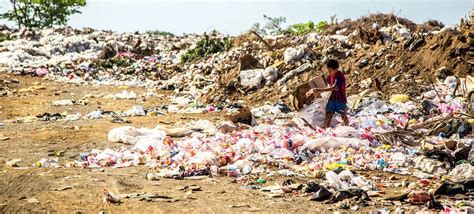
{"x":365,"y":57}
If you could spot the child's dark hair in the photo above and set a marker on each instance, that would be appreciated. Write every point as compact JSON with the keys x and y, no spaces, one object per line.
{"x":332,"y":63}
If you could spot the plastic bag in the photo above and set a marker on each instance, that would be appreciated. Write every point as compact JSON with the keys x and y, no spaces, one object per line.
{"x":270,"y":74}
{"x":333,"y":180}
{"x":251,"y":78}
{"x":282,"y":153}
{"x":206,"y":126}
{"x":334,"y":142}
{"x":346,"y":175}
{"x":346,"y":131}
{"x":131,"y":135}
{"x":136,"y":111}
{"x":73,"y":117}
{"x":293,"y":54}
{"x":315,"y":113}
{"x":462,"y":172}
{"x":428,"y":165}
{"x":95,"y":115}
{"x":205,"y":158}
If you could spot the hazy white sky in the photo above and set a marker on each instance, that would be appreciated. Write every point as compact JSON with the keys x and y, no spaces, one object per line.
{"x":236,"y":16}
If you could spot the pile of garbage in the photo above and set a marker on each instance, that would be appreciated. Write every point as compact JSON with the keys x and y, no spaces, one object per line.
{"x":431,"y":140}
{"x":383,"y":52}
{"x":410,"y":106}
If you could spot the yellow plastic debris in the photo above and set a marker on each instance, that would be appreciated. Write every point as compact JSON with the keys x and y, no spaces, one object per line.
{"x":333,"y":166}
{"x":399,"y":98}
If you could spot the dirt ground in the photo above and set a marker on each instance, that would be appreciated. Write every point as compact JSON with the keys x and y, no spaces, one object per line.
{"x":30,"y":142}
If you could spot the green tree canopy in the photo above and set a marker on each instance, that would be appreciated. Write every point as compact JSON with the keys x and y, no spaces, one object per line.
{"x":42,"y":13}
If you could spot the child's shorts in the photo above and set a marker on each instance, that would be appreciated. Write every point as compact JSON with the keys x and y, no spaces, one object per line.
{"x":336,"y":106}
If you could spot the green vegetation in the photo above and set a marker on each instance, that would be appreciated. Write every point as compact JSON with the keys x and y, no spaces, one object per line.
{"x":205,"y":47}
{"x":159,"y":33}
{"x":301,"y":28}
{"x":273,"y":26}
{"x":321,"y":25}
{"x":305,"y":28}
{"x":42,"y":13}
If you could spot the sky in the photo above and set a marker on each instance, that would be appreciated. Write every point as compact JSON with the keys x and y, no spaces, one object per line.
{"x":237,"y":16}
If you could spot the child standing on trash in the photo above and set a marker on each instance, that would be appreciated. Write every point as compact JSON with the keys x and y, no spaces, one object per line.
{"x":338,"y":100}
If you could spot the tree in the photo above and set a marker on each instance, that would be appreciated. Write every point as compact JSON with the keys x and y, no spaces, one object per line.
{"x":272,"y":26}
{"x":42,"y":13}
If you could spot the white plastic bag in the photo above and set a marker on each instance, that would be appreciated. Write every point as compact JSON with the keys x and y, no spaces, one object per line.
{"x":136,"y":111}
{"x":270,"y":74}
{"x":333,"y":180}
{"x":293,"y":54}
{"x":205,"y":158}
{"x":333,"y":142}
{"x":462,"y":172}
{"x":251,"y":78}
{"x":282,"y":153}
{"x":131,"y":135}
{"x":315,"y":113}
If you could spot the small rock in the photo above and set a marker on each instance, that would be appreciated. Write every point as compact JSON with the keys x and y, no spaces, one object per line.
{"x":152,"y":177}
{"x":240,"y":206}
{"x":362,"y":63}
{"x":32,"y":200}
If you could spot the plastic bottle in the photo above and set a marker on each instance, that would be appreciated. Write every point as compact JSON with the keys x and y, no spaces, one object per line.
{"x":381,"y":163}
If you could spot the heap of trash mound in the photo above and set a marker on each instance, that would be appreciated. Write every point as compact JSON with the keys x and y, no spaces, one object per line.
{"x":382,"y":52}
{"x":398,"y":57}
